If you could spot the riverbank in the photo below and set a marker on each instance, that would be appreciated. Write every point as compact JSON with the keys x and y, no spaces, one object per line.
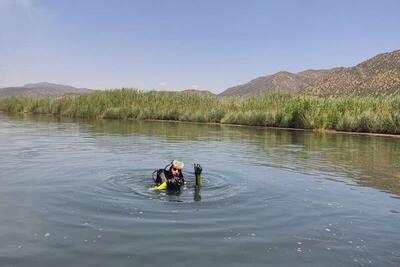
{"x":379,"y":115}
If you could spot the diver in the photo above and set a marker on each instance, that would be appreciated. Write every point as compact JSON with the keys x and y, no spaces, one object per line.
{"x":171,"y":177}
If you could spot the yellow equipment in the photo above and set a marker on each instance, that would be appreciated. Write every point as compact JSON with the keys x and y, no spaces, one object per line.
{"x":162,"y":186}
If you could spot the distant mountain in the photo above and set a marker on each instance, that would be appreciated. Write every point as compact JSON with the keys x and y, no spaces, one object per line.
{"x":379,"y":75}
{"x":199,"y":92}
{"x":281,"y":82}
{"x":316,"y":74}
{"x":40,"y":90}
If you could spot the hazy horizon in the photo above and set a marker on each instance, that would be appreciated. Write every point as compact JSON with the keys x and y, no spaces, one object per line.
{"x":178,"y":45}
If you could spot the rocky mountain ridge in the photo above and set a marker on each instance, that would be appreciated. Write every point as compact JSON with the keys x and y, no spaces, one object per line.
{"x":378,"y":76}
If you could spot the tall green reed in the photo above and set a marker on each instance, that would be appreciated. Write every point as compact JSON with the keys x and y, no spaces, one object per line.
{"x":358,"y":114}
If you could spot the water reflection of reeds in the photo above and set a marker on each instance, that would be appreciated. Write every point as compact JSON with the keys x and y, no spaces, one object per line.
{"x":367,"y":160}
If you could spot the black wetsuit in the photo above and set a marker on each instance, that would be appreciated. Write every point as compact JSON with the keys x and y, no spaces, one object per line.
{"x":173,"y":182}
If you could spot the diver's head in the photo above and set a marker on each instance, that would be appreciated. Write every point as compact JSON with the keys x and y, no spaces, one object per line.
{"x":176,"y":167}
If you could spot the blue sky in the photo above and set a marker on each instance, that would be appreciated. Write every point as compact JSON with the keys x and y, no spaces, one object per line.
{"x":181,"y":44}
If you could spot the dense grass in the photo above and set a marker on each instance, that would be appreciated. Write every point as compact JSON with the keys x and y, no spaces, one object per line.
{"x":355,"y":114}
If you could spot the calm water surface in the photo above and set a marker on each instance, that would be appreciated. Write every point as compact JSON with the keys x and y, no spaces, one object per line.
{"x":74,"y":193}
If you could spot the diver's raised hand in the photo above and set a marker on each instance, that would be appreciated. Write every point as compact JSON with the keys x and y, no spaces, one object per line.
{"x":197,"y":169}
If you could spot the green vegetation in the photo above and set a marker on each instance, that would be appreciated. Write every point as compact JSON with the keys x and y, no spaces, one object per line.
{"x":355,"y":114}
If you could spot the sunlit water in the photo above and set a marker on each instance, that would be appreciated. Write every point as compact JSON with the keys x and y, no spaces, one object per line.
{"x":75,"y":193}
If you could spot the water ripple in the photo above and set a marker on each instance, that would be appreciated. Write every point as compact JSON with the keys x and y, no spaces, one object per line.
{"x":136,"y":185}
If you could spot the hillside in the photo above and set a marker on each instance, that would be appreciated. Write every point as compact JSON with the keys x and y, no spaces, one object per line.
{"x":378,"y":76}
{"x":281,"y":82}
{"x":40,"y":90}
{"x":316,"y":74}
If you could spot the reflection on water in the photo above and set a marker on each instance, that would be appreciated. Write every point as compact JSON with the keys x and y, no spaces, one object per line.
{"x":75,"y":192}
{"x":368,"y":160}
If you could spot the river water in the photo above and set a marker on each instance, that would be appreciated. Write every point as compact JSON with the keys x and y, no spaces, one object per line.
{"x":75,"y":193}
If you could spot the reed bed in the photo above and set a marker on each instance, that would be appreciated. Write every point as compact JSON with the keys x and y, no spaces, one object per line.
{"x":353,"y":114}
